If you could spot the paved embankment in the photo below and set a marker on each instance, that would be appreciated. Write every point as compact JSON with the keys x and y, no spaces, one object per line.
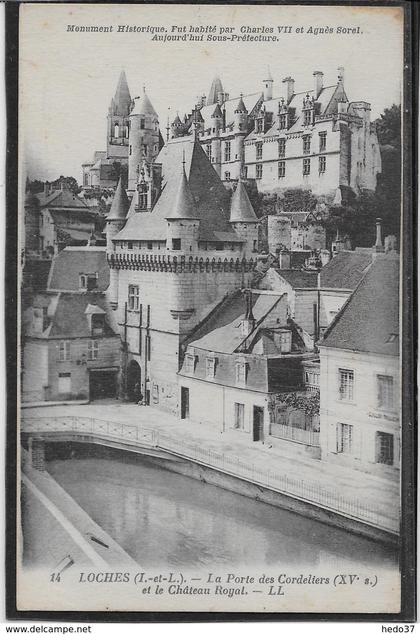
{"x":370,"y":498}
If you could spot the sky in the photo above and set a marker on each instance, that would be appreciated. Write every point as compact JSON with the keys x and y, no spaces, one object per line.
{"x":67,"y":78}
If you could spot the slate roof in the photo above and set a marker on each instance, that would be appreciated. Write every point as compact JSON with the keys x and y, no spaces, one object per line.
{"x":251,"y":103}
{"x":346,"y":269}
{"x":369,"y":321}
{"x":143,"y":105}
{"x":210,"y":197}
{"x":327,"y":99}
{"x":67,"y":314}
{"x":71,"y":261}
{"x":299,"y":279}
{"x":184,"y":205}
{"x":60,"y":198}
{"x":241,"y":209}
{"x":120,"y":204}
{"x":222,"y":332}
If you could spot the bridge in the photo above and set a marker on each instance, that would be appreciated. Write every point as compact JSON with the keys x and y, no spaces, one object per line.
{"x":175,"y":448}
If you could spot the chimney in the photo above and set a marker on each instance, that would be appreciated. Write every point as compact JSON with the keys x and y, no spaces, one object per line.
{"x":340,"y":74}
{"x":248,"y":322}
{"x":318,"y":82}
{"x":46,"y":188}
{"x":290,"y":87}
{"x":378,"y":248}
{"x":284,"y":259}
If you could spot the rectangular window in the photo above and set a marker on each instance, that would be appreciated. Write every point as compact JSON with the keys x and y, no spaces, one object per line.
{"x":322,"y":164}
{"x":210,"y":367}
{"x":258,"y":151}
{"x":240,"y":373}
{"x":97,"y":325}
{"x":258,"y":171}
{"x":64,"y":382}
{"x":208,"y":150}
{"x":306,"y":167}
{"x":88,"y":281}
{"x":346,"y":385}
{"x":282,"y":148}
{"x":64,"y":351}
{"x":189,"y":363}
{"x":93,"y":350}
{"x":385,"y":392}
{"x":144,"y":149}
{"x":282,"y":121}
{"x":129,"y":245}
{"x":245,"y":171}
{"x":150,"y":245}
{"x":227,"y":151}
{"x":307,"y":117}
{"x":133,"y":297}
{"x":282,"y":169}
{"x":384,"y":448}
{"x":322,"y":141}
{"x":227,"y":176}
{"x":239,"y":422}
{"x":259,"y":125}
{"x":176,"y":244}
{"x":344,"y":438}
{"x":306,"y":143}
{"x":285,"y":341}
{"x":141,"y":124}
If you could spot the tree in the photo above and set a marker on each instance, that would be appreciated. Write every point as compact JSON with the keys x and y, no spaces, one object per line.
{"x":388,"y":189}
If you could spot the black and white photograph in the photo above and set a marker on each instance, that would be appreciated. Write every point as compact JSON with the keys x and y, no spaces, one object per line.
{"x":210,"y":248}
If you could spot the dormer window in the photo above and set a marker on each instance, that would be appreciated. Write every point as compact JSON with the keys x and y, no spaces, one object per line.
{"x":283,"y":121}
{"x":307,"y":117}
{"x":189,"y":363}
{"x":210,"y":367}
{"x":88,"y":281}
{"x":240,"y":372}
{"x":259,"y":126}
{"x":97,"y":325}
{"x":39,"y":319}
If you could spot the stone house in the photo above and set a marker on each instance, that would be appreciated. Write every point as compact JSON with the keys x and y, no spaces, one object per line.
{"x":243,"y":370}
{"x":360,"y":375}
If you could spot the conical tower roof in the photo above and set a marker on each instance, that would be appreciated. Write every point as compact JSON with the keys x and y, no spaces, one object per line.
{"x":122,"y":99}
{"x":143,"y":105}
{"x":241,"y":209}
{"x":120,"y":204}
{"x":184,"y":206}
{"x":241,"y":106}
{"x":216,"y":87}
{"x":217,"y":112}
{"x":177,"y":120}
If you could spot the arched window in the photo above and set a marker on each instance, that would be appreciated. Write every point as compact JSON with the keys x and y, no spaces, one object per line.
{"x":116,"y":130}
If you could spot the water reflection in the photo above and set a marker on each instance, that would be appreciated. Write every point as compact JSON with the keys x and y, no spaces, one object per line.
{"x":162,"y":518}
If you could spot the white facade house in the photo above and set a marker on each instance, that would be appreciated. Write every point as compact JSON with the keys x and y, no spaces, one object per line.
{"x":360,"y":376}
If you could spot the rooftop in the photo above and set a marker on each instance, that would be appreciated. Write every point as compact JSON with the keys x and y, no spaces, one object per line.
{"x":369,"y":321}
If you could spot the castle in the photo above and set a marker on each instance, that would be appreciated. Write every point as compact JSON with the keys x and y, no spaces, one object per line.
{"x":314,"y":139}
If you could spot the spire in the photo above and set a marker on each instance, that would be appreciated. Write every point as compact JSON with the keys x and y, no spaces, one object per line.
{"x":120,"y":204}
{"x":216,"y":87}
{"x":121,"y":102}
{"x":217,"y":112}
{"x":184,"y":206}
{"x":241,"y":209}
{"x":241,"y":106}
{"x":143,"y":105}
{"x":268,"y":75}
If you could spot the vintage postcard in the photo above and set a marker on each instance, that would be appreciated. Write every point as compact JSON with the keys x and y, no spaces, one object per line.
{"x":211,"y":336}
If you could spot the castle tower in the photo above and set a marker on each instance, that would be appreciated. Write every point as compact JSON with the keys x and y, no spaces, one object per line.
{"x":115,"y":221}
{"x":240,"y":128}
{"x":118,"y":120}
{"x":216,"y":92}
{"x":183,"y":220}
{"x":243,"y":219}
{"x":268,"y":86}
{"x":143,"y":138}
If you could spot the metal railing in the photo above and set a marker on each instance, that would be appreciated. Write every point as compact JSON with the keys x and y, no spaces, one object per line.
{"x":295,"y":434}
{"x":311,"y":492}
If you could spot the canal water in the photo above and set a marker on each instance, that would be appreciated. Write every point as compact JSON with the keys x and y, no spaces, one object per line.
{"x":165,"y":519}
